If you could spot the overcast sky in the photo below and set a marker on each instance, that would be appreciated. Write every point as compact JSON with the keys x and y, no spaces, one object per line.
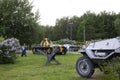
{"x":50,"y":10}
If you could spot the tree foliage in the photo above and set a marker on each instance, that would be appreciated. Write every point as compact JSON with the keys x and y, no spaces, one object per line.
{"x":17,"y":20}
{"x":117,"y":25}
{"x":93,"y":26}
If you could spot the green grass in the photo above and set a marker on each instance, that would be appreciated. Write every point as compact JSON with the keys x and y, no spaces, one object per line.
{"x":33,"y":67}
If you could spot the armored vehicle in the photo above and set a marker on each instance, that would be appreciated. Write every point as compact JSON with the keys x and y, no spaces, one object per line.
{"x":95,"y":54}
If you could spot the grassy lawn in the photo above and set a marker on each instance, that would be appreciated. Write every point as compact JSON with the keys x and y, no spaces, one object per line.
{"x":33,"y":67}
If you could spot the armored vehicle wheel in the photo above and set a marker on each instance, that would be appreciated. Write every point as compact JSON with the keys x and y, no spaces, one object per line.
{"x":84,"y":67}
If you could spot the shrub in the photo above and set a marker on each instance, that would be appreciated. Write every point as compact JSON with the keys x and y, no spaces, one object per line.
{"x":65,"y":41}
{"x":1,"y":39}
{"x":113,"y":70}
{"x":8,"y":50}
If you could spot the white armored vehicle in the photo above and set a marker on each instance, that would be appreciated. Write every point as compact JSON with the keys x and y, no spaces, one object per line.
{"x":95,"y":54}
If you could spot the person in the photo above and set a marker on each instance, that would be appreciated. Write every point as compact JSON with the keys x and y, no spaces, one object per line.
{"x":61,"y":50}
{"x":47,"y":44}
{"x":23,"y":51}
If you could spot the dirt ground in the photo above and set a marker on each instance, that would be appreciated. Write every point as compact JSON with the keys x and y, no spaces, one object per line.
{"x":96,"y":75}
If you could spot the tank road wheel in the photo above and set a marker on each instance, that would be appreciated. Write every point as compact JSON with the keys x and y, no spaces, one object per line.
{"x":84,"y":67}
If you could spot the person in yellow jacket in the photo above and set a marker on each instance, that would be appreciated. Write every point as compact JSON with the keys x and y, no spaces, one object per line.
{"x":48,"y":44}
{"x":60,"y":48}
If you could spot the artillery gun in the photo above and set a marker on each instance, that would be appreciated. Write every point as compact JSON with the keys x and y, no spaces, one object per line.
{"x":95,"y":54}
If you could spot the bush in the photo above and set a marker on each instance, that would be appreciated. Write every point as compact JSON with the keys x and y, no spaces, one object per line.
{"x":8,"y":50}
{"x":7,"y":56}
{"x":1,"y":39}
{"x":113,"y":70}
{"x":65,"y":41}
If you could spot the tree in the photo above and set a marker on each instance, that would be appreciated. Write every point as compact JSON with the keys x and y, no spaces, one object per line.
{"x":62,"y":28}
{"x":17,"y":20}
{"x":66,"y":27}
{"x":100,"y":26}
{"x":117,"y":25}
{"x":49,"y":32}
{"x":106,"y":21}
{"x":74,"y":24}
{"x":86,"y":29}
